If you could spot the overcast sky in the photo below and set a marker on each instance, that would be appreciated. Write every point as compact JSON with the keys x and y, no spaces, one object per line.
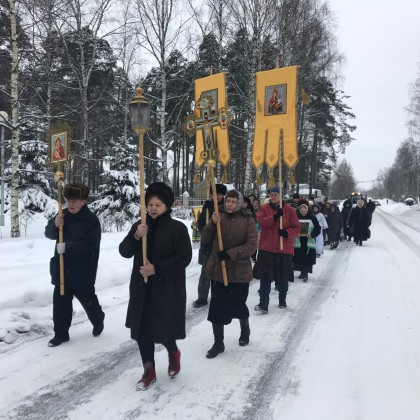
{"x":381,"y":42}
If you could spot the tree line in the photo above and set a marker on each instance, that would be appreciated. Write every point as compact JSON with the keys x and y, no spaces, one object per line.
{"x":402,"y":179}
{"x":78,"y":61}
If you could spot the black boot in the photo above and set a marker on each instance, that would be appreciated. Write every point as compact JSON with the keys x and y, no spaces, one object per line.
{"x":245,"y":331}
{"x":282,"y":300}
{"x":218,"y":346}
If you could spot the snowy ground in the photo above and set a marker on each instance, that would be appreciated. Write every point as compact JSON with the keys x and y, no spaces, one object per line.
{"x":347,"y":347}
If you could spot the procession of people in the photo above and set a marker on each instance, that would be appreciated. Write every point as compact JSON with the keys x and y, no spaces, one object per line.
{"x":285,"y":237}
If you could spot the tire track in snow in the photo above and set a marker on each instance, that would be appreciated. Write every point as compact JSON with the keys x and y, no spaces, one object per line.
{"x":62,"y":396}
{"x":275,"y":379}
{"x":399,"y":233}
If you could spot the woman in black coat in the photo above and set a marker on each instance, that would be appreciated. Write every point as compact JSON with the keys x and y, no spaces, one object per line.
{"x":335,"y":224}
{"x":359,"y":222}
{"x":344,"y":215}
{"x":156,"y":309}
{"x":305,"y":257}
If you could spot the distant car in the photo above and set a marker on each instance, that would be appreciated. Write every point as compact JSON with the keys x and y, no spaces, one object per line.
{"x":377,"y":203}
{"x":410,"y":201}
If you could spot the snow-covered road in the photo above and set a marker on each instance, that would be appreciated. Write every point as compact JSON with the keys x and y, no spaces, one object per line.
{"x":347,"y":347}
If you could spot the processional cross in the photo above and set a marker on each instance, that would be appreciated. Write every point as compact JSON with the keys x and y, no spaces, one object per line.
{"x":207,"y":121}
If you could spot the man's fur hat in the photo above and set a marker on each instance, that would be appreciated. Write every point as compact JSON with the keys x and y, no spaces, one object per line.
{"x":76,"y":191}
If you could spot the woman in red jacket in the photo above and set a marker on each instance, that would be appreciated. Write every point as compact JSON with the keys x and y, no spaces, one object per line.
{"x":273,"y":263}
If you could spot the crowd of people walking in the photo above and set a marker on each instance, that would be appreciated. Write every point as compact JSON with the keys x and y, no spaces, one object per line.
{"x":241,"y":239}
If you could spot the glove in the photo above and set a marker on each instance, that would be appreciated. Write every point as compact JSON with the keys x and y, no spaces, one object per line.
{"x":283,"y":233}
{"x":223,"y":255}
{"x":61,"y":246}
{"x":278,"y":214}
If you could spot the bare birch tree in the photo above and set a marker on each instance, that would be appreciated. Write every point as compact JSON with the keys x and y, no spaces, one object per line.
{"x":256,"y":18}
{"x":162,"y":27}
{"x":14,"y":97}
{"x":78,"y":17}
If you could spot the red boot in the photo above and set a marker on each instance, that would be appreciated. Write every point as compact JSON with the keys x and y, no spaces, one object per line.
{"x":149,"y":377}
{"x":174,"y":363}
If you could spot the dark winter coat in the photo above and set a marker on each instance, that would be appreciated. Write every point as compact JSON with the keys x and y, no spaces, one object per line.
{"x":370,"y":207}
{"x":344,"y":216}
{"x":335,"y":224}
{"x":240,"y":238}
{"x":208,"y":208}
{"x":305,"y":257}
{"x":161,"y":302}
{"x":82,"y":236}
{"x":359,"y":222}
{"x":269,"y":237}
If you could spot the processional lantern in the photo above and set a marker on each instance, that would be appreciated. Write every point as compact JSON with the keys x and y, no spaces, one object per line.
{"x":139,"y":112}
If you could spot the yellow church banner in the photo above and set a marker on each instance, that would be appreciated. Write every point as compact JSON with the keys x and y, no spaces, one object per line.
{"x":215,"y":87}
{"x":275,"y":110}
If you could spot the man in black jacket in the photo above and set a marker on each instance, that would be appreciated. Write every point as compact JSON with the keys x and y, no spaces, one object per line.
{"x":205,"y":249}
{"x":82,"y":237}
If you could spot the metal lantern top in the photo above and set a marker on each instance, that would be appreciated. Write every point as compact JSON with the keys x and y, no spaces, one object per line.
{"x":139,"y":112}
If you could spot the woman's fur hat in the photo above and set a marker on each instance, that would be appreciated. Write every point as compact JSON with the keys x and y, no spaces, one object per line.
{"x":76,"y":191}
{"x":162,"y":191}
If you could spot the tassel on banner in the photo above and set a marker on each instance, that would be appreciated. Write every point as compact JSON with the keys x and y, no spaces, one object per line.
{"x":196,"y":179}
{"x":225,"y":177}
{"x":271,"y":181}
{"x":258,"y":180}
{"x":292,"y":180}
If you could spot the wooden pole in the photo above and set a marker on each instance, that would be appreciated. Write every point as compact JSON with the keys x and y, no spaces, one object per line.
{"x":281,"y":183}
{"x":59,"y":177}
{"x":219,"y":230}
{"x":142,"y":197}
{"x":207,"y":197}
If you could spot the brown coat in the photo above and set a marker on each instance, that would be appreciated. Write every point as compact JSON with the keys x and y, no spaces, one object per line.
{"x":163,"y":299}
{"x":240,"y":238}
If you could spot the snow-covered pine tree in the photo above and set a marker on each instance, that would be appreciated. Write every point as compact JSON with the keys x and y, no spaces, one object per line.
{"x":37,"y":185}
{"x":118,"y":201}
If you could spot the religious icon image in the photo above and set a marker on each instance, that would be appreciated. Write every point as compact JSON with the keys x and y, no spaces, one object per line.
{"x":214,"y":100}
{"x":304,"y":227}
{"x":275,"y":100}
{"x":58,"y":147}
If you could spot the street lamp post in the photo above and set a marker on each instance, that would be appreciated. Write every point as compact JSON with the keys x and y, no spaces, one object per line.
{"x":140,"y":120}
{"x":3,"y":119}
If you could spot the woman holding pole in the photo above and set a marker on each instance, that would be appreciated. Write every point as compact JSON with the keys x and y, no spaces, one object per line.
{"x":240,"y":239}
{"x":156,"y":309}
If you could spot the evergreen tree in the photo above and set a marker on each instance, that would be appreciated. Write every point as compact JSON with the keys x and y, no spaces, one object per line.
{"x":118,"y":200}
{"x":343,"y":183}
{"x":328,"y":128}
{"x":179,"y":85}
{"x":209,"y":55}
